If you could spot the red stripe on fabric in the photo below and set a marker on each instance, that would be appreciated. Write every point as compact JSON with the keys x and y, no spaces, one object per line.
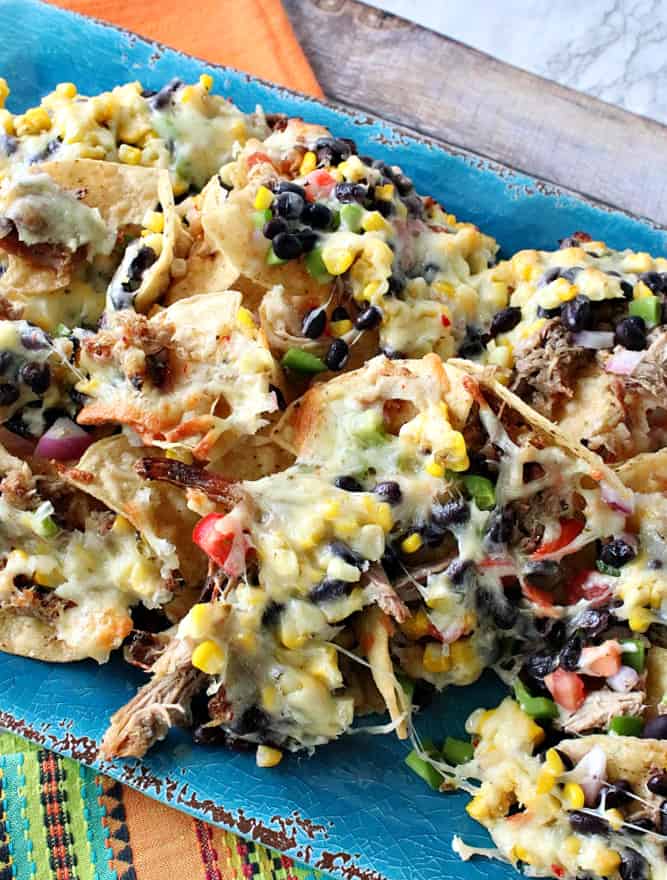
{"x":208,"y":854}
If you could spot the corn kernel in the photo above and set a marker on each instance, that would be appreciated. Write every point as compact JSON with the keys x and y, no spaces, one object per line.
{"x":155,"y":221}
{"x":568,"y":293}
{"x":179,"y":186}
{"x":532,"y":328}
{"x":183,"y":455}
{"x":187,"y":94}
{"x":520,"y":853}
{"x":412,"y":543}
{"x":66,"y":90}
{"x":200,"y":616}
{"x":246,"y":641}
{"x":19,"y":555}
{"x":47,"y":578}
{"x":4,"y":91}
{"x":572,"y":845}
{"x":434,"y":468}
{"x":33,"y":121}
{"x":266,"y":756}
{"x":373,"y":221}
{"x":639,"y":262}
{"x":239,"y":130}
{"x":463,"y":653}
{"x":434,"y":658}
{"x":554,"y":762}
{"x":6,"y":121}
{"x":417,"y":625}
{"x":477,"y":808}
{"x":352,"y":169}
{"x":263,"y":198}
{"x":129,"y":155}
{"x":615,"y":818}
{"x":308,"y":163}
{"x":640,"y":619}
{"x":336,"y":259}
{"x":545,"y":781}
{"x":347,"y":528}
{"x":121,"y":526}
{"x":154,"y":241}
{"x":245,"y":319}
{"x":370,"y":290}
{"x":208,"y":657}
{"x":269,"y":698}
{"x":607,"y":862}
{"x":641,"y":291}
{"x":574,"y":796}
{"x":340,"y":328}
{"x":536,"y":733}
{"x":206,"y":80}
{"x":385,"y":193}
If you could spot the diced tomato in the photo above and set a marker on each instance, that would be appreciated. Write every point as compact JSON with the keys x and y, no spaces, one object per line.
{"x":318,"y":184}
{"x":473,"y":389}
{"x":587,"y":585}
{"x":569,"y":529}
{"x":216,"y":544}
{"x":539,"y":597}
{"x":567,"y":688}
{"x":602,"y":660}
{"x":257,"y":159}
{"x":444,"y":320}
{"x":435,"y":633}
{"x":558,"y":870}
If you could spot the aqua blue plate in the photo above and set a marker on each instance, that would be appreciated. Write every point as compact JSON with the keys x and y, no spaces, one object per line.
{"x":354,"y":809}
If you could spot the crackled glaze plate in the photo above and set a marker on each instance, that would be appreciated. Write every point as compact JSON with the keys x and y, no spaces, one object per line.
{"x":354,"y":809}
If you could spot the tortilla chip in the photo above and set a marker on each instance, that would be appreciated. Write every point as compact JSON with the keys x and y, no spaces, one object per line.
{"x":656,"y":679}
{"x":207,"y":272}
{"x":628,"y":757}
{"x":646,"y":472}
{"x":158,"y":511}
{"x":28,"y":636}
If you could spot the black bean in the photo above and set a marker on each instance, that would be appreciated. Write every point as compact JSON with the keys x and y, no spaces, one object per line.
{"x":253,"y":720}
{"x":414,"y":205}
{"x":539,"y":665}
{"x":472,"y":344}
{"x":577,"y":314}
{"x":661,"y":821}
{"x":46,"y":152}
{"x":35,"y":339}
{"x":7,"y":361}
{"x":308,"y":239}
{"x":584,"y":823}
{"x":501,"y":526}
{"x":505,"y":320}
{"x":317,"y":215}
{"x":9,"y":394}
{"x":337,"y":356}
{"x":451,"y":513}
{"x":593,"y":621}
{"x":346,"y":553}
{"x":392,"y":354}
{"x":396,"y":285}
{"x":402,"y":183}
{"x":333,"y":151}
{"x":289,"y":205}
{"x":157,"y":367}
{"x":286,"y":186}
{"x":142,"y":260}
{"x":550,"y":275}
{"x":643,"y":822}
{"x":349,"y":192}
{"x":280,"y":397}
{"x":577,"y":239}
{"x":503,"y":613}
{"x":8,"y":144}
{"x":340,"y":313}
{"x":548,"y":313}
{"x":544,"y":574}
{"x":432,"y":535}
{"x":163,"y":98}
{"x":457,"y":570}
{"x":655,"y":564}
{"x":274,"y":227}
{"x":287,"y":246}
{"x":617,"y":553}
{"x":368,"y":319}
{"x":272,"y":613}
{"x":389,"y":491}
{"x":655,"y":281}
{"x":631,"y":333}
{"x":616,"y":794}
{"x":36,"y":376}
{"x":627,"y":289}
{"x":329,"y":589}
{"x":657,"y":783}
{"x":570,"y":655}
{"x":633,"y":865}
{"x":655,"y":728}
{"x":391,"y":562}
{"x":349,"y":484}
{"x":16,"y":424}
{"x":314,"y":323}
{"x":382,"y":206}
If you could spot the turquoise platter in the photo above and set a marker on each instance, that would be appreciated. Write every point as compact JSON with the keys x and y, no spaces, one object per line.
{"x":353,"y":810}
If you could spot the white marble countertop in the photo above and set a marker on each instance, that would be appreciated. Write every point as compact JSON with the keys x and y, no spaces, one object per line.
{"x":615,"y":50}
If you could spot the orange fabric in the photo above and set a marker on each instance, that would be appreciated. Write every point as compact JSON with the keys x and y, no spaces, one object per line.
{"x":252,"y":35}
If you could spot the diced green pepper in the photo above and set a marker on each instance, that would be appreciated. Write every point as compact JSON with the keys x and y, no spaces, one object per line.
{"x":303,"y":361}
{"x":350,"y":215}
{"x":481,"y":490}
{"x":408,"y":685}
{"x":423,"y":769}
{"x":272,"y":259}
{"x":46,"y":527}
{"x":315,"y":266}
{"x":457,"y":751}
{"x":536,"y":707}
{"x":335,"y":220}
{"x":62,"y":330}
{"x":647,"y":307}
{"x":259,"y":218}
{"x":610,"y":570}
{"x":634,"y":654}
{"x":626,"y":725}
{"x":368,"y":429}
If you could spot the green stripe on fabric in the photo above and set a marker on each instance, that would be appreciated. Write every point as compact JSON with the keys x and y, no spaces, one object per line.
{"x":35,"y":816}
{"x":96,"y":830}
{"x":77,"y":824}
{"x":10,"y":744}
{"x":15,"y":794}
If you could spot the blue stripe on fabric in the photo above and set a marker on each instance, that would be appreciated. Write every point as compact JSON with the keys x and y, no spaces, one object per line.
{"x":18,"y":826}
{"x":97,"y":832}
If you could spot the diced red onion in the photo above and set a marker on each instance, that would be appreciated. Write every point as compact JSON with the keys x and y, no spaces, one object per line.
{"x":624,"y":680}
{"x":597,"y":339}
{"x":618,"y":502}
{"x":64,"y":441}
{"x":590,"y":773}
{"x":623,"y":362}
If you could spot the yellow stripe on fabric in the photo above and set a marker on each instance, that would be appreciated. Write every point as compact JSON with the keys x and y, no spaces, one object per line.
{"x":78,"y":826}
{"x":35,"y":815}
